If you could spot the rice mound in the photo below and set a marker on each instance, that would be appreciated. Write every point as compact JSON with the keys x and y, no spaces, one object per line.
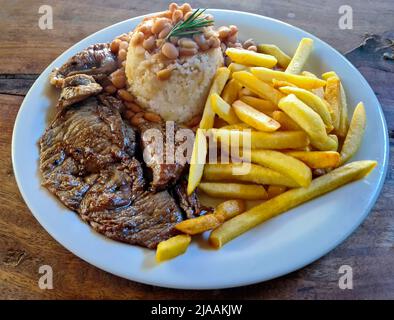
{"x":183,"y":95}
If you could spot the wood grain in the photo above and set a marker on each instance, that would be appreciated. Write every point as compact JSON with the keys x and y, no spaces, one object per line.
{"x":25,"y":245}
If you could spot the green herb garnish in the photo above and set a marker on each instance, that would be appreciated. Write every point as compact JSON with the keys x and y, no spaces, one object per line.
{"x":190,"y":26}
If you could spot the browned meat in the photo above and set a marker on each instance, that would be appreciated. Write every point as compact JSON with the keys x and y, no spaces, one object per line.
{"x":87,"y":161}
{"x":190,"y":204}
{"x":77,"y":88}
{"x":165,"y":171}
{"x":96,"y":60}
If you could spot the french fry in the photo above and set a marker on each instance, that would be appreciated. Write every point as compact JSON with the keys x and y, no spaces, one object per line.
{"x":288,"y":200}
{"x":257,"y":174}
{"x":282,"y":163}
{"x":310,"y":121}
{"x":273,"y":50}
{"x":318,"y":91}
{"x":262,"y":140}
{"x":281,"y":83}
{"x":254,"y":118}
{"x":237,"y":126}
{"x":317,"y":159}
{"x":343,"y":114}
{"x":286,"y":123}
{"x":246,"y":92}
{"x":172,"y":247}
{"x":208,"y":116}
{"x":268,"y":75}
{"x":198,"y":225}
{"x":197,"y":161}
{"x":300,"y":57}
{"x":262,"y":105}
{"x":274,"y":191}
{"x":257,"y":86}
{"x":223,"y":109}
{"x":230,"y":91}
{"x":233,"y":190}
{"x":229,"y":209}
{"x":234,"y":67}
{"x":355,"y":134}
{"x":313,"y":101}
{"x":251,"y":58}
{"x":332,"y":95}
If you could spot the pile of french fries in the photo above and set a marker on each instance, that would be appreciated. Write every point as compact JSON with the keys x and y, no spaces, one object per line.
{"x":300,"y":137}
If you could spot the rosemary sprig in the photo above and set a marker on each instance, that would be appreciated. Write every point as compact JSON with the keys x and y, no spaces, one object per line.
{"x":190,"y":26}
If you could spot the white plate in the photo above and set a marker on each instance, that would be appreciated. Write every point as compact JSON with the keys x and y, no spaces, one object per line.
{"x":274,"y":248}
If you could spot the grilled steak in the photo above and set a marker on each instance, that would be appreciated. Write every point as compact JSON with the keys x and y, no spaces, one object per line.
{"x":97,"y":60}
{"x":87,"y":161}
{"x":157,"y":151}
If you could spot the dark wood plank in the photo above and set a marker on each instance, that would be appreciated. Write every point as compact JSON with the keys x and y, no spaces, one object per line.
{"x":25,"y":245}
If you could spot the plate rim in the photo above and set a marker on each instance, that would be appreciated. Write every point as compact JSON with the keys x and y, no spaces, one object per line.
{"x":165,"y":283}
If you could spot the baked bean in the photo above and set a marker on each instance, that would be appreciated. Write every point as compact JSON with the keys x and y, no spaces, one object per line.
{"x":177,"y":15}
{"x":137,"y":38}
{"x":173,"y":6}
{"x":115,"y":45}
{"x":123,"y":45}
{"x":133,"y":107}
{"x":223,"y":32}
{"x":158,"y":25}
{"x":139,"y":50}
{"x":125,"y":95}
{"x":186,"y":8}
{"x":124,"y":37}
{"x":122,"y":54}
{"x":164,"y":74}
{"x":187,"y":43}
{"x":187,"y":51}
{"x":174,"y":40}
{"x":145,"y":29}
{"x":238,"y":45}
{"x":187,"y":15}
{"x":232,"y":38}
{"x":110,"y":89}
{"x":137,"y":119}
{"x":248,"y":43}
{"x":253,"y":48}
{"x":149,"y":43}
{"x":170,"y":51}
{"x":201,"y":41}
{"x":209,"y":17}
{"x":124,"y":64}
{"x":214,"y":42}
{"x":129,"y":114}
{"x":118,"y":79}
{"x":233,"y":30}
{"x":164,"y":33}
{"x":152,"y":117}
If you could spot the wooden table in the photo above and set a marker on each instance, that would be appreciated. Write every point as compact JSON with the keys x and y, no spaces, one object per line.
{"x":24,"y":245}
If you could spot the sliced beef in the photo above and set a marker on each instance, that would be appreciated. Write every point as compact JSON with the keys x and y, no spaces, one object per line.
{"x":190,"y":204}
{"x":166,"y":165}
{"x":77,"y":88}
{"x":87,"y":161}
{"x":97,"y":60}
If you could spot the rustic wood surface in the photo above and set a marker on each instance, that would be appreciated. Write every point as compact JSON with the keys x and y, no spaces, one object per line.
{"x":25,"y":51}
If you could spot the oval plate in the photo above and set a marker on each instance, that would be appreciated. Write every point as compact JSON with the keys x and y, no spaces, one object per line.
{"x":277,"y":247}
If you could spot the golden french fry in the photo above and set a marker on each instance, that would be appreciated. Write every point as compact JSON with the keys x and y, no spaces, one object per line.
{"x":282,"y":163}
{"x":172,"y":247}
{"x":274,"y":191}
{"x":332,"y":95}
{"x":197,"y":161}
{"x":223,"y":109}
{"x":254,"y":118}
{"x":234,"y":67}
{"x":257,"y":174}
{"x":268,"y":75}
{"x":246,"y":92}
{"x":230,"y":91}
{"x":262,"y":105}
{"x":233,"y":190}
{"x":208,"y":116}
{"x":281,"y":83}
{"x":355,"y":134}
{"x":310,"y":121}
{"x":286,"y":123}
{"x":251,"y":58}
{"x":318,"y":91}
{"x":273,"y":50}
{"x":262,"y":140}
{"x":317,"y":159}
{"x":300,"y":57}
{"x":199,"y":224}
{"x":288,"y":200}
{"x":313,"y":101}
{"x":237,"y":126}
{"x":229,"y":209}
{"x":257,"y":86}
